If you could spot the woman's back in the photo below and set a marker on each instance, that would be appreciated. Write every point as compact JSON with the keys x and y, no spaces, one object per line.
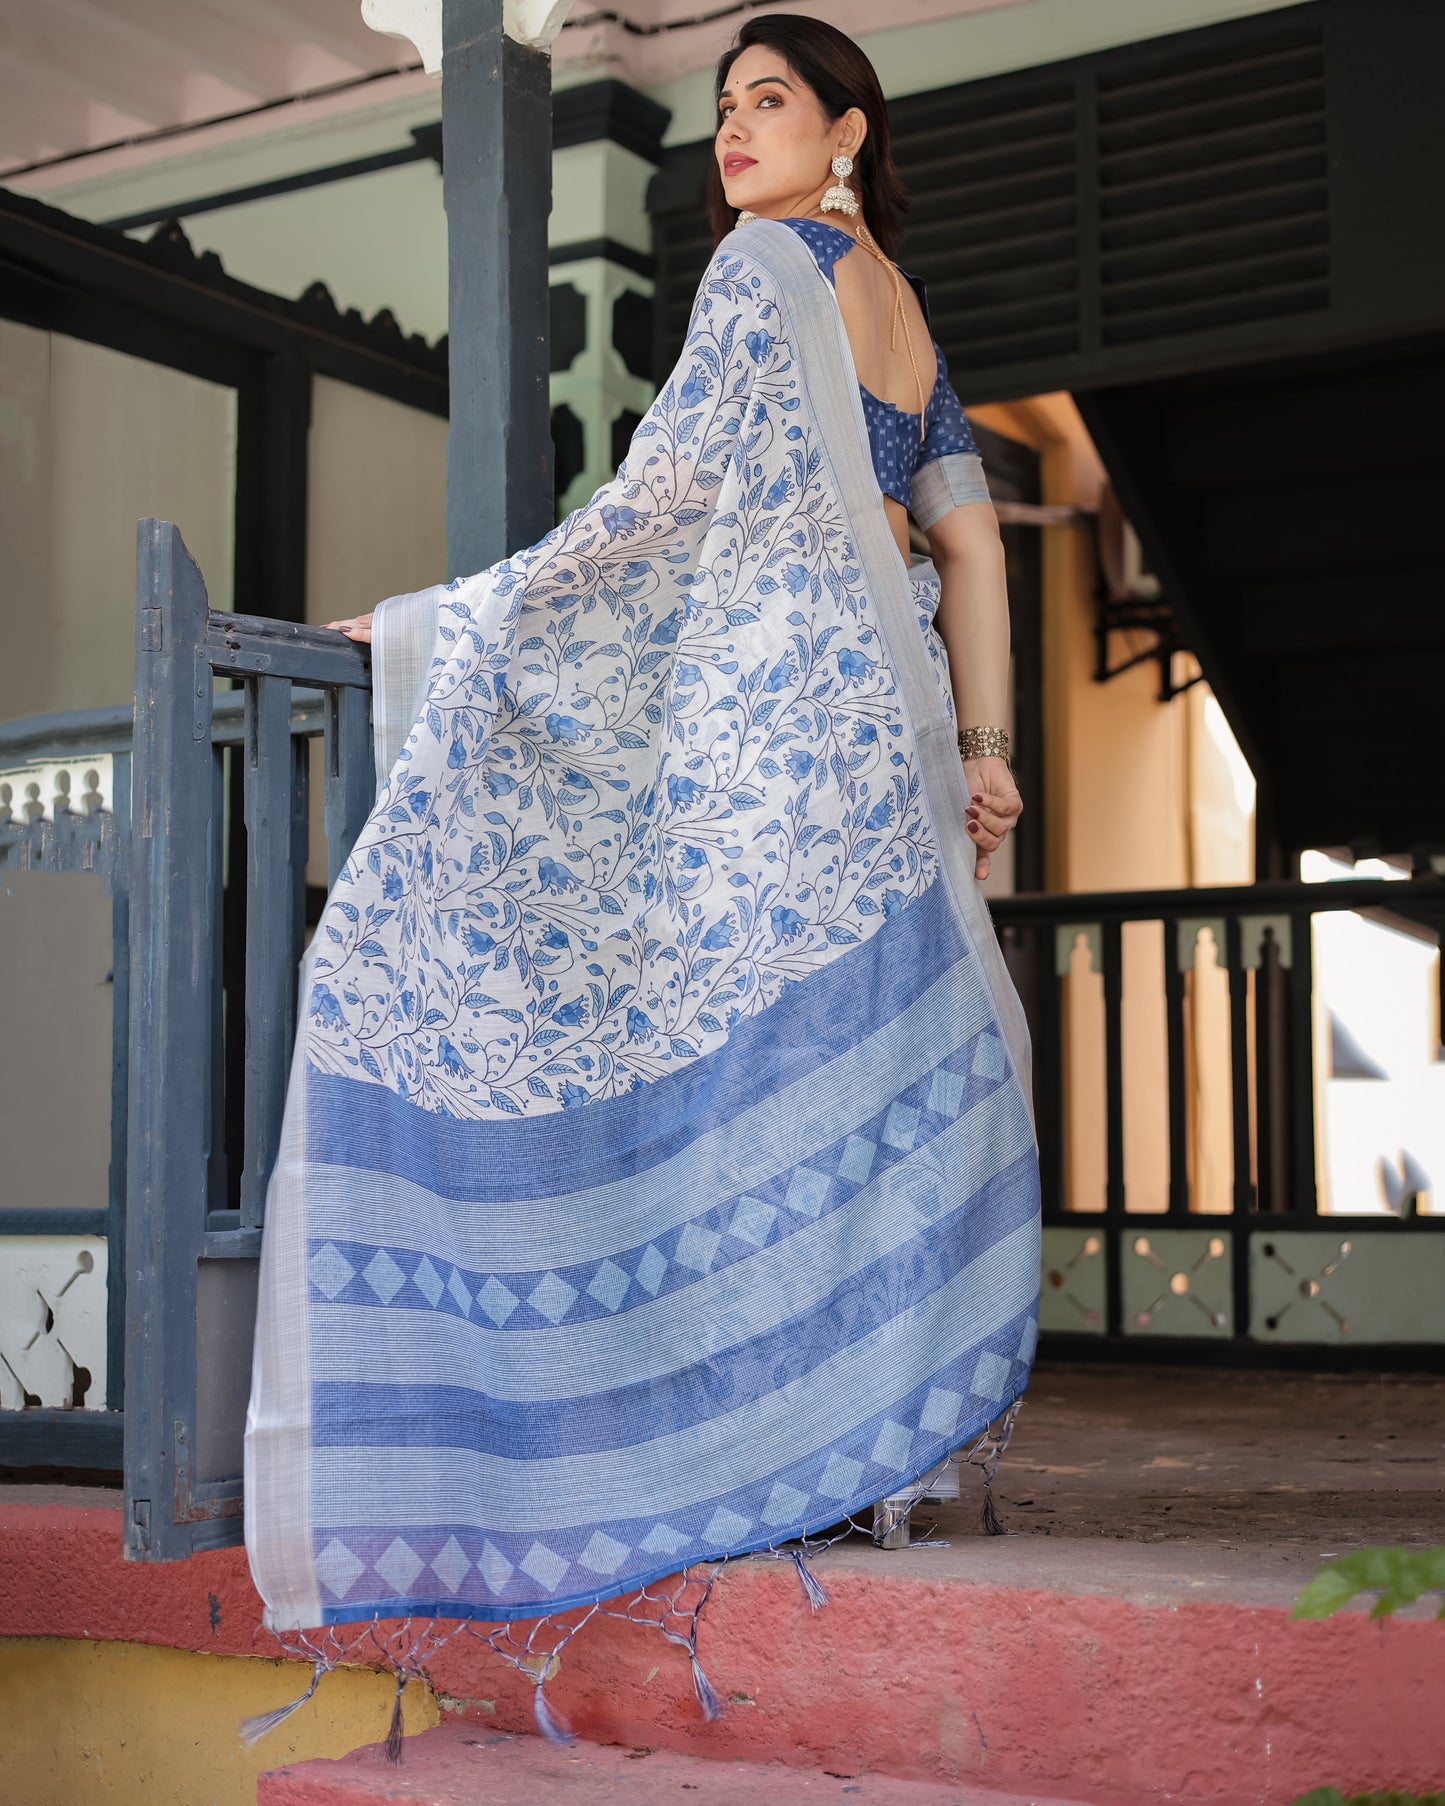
{"x":868,"y":300}
{"x":913,"y":417}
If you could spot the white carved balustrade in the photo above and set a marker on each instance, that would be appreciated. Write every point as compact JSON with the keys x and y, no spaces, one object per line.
{"x":50,"y":790}
{"x":52,"y":1322}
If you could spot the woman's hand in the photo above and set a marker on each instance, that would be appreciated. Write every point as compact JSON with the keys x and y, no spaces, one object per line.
{"x":994,"y":807}
{"x":357,"y":627}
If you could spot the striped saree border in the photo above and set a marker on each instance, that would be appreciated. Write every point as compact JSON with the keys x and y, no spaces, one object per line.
{"x":611,"y":1140}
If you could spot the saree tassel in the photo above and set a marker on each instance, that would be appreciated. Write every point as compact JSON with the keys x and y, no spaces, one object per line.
{"x":394,"y":1733}
{"x":991,"y":1522}
{"x":707,"y":1695}
{"x":812,"y":1586}
{"x":551,"y":1727}
{"x":252,"y":1730}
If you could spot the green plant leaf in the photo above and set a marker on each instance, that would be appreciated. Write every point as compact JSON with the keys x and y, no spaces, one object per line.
{"x":1399,"y":1576}
{"x":1331,"y":1796}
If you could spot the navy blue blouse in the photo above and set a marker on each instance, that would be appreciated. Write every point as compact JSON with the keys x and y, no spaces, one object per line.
{"x":900,"y":451}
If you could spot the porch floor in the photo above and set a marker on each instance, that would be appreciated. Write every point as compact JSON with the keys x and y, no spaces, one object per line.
{"x":1152,"y":1482}
{"x":1222,"y":1478}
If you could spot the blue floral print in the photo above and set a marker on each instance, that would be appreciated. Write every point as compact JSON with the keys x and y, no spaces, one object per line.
{"x":663,"y":769}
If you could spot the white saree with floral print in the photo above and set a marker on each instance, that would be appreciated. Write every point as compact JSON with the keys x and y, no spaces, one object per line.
{"x":658,"y":1181}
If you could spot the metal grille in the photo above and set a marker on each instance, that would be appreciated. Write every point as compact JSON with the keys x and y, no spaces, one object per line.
{"x":1213,"y":197}
{"x":994,"y":228}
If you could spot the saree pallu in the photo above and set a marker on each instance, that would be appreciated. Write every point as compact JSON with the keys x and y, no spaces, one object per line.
{"x":658,"y":1181}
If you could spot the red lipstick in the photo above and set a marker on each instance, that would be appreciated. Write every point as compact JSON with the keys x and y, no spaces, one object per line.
{"x":735,"y":162}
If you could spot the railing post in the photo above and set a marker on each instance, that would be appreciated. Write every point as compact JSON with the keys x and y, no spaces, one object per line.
{"x":1271,"y":1075}
{"x":1304,"y":1184}
{"x":272,"y":784}
{"x":1049,"y":1070}
{"x":1178,"y":1090}
{"x":171,"y":955}
{"x":1243,"y":1192}
{"x":115,"y":1218}
{"x":1113,"y":964}
{"x":350,"y":782}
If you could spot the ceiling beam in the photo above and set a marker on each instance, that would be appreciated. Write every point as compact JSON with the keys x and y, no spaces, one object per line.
{"x":31,"y":119}
{"x":299,"y":25}
{"x":262,"y":78}
{"x":42,"y":73}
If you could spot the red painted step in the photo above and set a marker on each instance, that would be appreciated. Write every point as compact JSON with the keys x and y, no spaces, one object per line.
{"x":465,"y":1765}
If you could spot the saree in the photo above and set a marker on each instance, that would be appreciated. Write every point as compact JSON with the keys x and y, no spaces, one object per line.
{"x":658,"y":1181}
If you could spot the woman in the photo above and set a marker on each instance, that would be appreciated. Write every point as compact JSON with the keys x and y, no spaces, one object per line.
{"x":658,"y":1181}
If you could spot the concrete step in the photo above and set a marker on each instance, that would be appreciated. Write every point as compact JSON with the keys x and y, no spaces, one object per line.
{"x":465,"y":1765}
{"x":1129,"y":1643}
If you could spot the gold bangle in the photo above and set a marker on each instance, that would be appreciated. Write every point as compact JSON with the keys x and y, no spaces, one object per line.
{"x":983,"y":743}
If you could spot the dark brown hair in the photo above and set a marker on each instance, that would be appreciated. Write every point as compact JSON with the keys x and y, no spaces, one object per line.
{"x":841,"y":76}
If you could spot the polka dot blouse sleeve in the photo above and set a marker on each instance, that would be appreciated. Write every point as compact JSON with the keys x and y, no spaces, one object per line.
{"x":950,"y":470}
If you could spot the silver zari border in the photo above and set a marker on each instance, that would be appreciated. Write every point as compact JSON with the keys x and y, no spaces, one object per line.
{"x":830,"y":376}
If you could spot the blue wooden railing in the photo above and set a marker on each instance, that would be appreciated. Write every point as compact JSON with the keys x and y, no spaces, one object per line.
{"x":191,"y":1252}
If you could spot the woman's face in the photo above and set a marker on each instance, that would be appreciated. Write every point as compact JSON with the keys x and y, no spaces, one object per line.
{"x":774,"y":141}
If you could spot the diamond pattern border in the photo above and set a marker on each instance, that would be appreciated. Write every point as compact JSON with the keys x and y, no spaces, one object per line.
{"x":364,"y":1571}
{"x":343,"y":1272}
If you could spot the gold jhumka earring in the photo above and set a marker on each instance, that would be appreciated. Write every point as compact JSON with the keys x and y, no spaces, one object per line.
{"x":840,"y":198}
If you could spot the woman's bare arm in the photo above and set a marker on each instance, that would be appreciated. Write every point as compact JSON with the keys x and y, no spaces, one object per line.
{"x":973,"y":621}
